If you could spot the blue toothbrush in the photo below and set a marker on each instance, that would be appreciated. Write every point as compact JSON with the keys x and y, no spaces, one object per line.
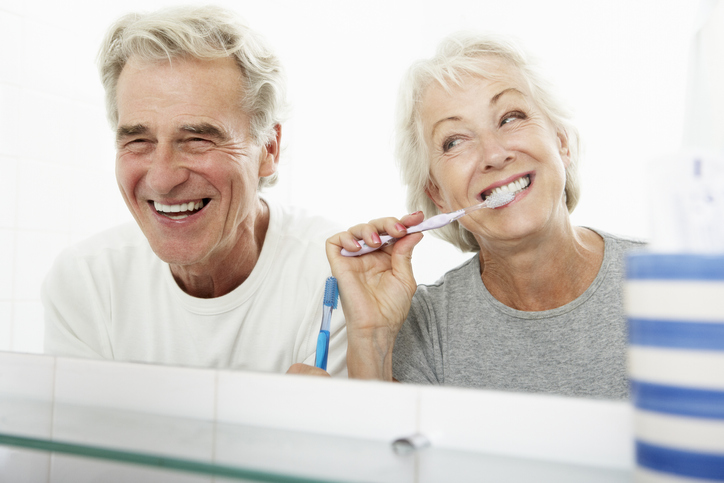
{"x":331,"y":293}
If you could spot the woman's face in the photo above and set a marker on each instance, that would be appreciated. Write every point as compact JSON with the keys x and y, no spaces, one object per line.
{"x":486,"y":135}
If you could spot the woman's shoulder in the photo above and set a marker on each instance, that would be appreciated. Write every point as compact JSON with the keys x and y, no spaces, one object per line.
{"x":620,"y":243}
{"x":453,"y":279}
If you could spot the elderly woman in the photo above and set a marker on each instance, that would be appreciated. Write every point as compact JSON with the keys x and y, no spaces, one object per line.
{"x":538,"y":307}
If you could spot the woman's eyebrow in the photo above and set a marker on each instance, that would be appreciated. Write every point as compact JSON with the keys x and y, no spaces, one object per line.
{"x":496,"y":97}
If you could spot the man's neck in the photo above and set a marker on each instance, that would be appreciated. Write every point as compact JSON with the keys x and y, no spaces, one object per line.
{"x":220,"y":276}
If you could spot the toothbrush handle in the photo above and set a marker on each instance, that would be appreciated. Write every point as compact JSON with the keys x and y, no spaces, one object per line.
{"x":386,"y":240}
{"x":437,"y":221}
{"x":322,"y":350}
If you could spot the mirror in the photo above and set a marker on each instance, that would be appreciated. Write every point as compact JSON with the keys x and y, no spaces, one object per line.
{"x":620,"y":64}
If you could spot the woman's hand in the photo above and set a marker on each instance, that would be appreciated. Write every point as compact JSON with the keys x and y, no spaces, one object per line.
{"x":376,"y":290}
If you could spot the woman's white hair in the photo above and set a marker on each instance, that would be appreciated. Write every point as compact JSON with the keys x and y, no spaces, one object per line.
{"x":457,"y":56}
{"x":205,"y":33}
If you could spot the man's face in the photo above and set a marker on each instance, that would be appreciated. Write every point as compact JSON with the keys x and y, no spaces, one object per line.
{"x":186,"y":165}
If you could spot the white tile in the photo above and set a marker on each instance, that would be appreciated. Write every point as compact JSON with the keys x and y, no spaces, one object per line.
{"x":134,"y":431}
{"x":26,"y":375}
{"x":26,"y":394}
{"x":10,"y":54}
{"x":170,"y":391}
{"x":6,"y":325}
{"x":11,"y":120}
{"x":28,"y":466}
{"x":107,"y":208}
{"x":559,"y":429}
{"x":7,"y":262}
{"x":76,"y":469}
{"x":28,"y":327}
{"x":8,"y":186}
{"x":44,"y":197}
{"x":310,"y":455}
{"x":466,"y":467}
{"x":35,"y":253}
{"x":51,"y":139}
{"x":356,"y":409}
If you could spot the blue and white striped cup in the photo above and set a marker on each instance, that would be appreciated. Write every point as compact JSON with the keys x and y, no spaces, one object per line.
{"x":675,"y":309}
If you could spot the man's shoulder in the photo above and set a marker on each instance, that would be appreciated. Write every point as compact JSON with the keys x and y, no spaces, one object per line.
{"x":306,"y":226}
{"x":126,"y":235}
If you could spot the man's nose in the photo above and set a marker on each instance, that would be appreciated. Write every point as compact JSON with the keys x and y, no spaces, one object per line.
{"x":166,"y":170}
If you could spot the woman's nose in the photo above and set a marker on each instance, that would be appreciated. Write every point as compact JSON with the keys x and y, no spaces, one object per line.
{"x":494,"y":153}
{"x":166,"y":170}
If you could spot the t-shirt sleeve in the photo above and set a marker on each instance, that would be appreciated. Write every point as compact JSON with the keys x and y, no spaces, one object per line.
{"x":413,"y":358}
{"x":73,"y":319}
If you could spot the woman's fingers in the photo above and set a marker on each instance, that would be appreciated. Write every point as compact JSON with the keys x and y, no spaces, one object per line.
{"x":371,"y":232}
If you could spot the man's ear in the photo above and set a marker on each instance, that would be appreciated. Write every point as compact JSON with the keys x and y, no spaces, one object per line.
{"x":270,"y":154}
{"x":433,"y":192}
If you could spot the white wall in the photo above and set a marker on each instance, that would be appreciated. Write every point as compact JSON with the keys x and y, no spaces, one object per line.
{"x":620,"y":63}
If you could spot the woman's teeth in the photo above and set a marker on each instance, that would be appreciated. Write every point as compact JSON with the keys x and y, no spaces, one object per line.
{"x":183,"y":209}
{"x":518,"y":185}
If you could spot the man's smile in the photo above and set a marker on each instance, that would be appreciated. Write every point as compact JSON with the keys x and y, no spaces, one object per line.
{"x":180,"y":211}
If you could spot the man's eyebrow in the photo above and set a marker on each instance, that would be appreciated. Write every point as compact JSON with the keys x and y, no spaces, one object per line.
{"x":497,"y":96}
{"x":131,"y":130}
{"x":205,"y":129}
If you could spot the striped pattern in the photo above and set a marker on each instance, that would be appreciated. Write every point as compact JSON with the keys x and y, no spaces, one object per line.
{"x":675,"y":310}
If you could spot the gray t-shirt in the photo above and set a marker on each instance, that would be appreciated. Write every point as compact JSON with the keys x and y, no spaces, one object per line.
{"x":458,"y":334}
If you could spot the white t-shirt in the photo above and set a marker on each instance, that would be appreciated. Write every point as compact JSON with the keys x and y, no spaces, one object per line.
{"x":111,"y":297}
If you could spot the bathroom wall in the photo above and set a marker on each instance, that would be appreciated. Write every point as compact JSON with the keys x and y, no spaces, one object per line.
{"x":621,"y":64}
{"x":56,"y":158}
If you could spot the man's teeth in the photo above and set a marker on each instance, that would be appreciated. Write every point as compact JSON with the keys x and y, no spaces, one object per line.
{"x":183,"y":209}
{"x":517,"y":185}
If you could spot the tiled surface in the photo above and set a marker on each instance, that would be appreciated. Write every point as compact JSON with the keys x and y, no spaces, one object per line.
{"x":35,"y":252}
{"x":10,"y":58}
{"x":8,"y":186}
{"x":46,"y":198}
{"x":28,"y":327}
{"x":10,"y":129}
{"x":6,"y":326}
{"x":362,"y":409}
{"x":7,"y":252}
{"x":567,"y":430}
{"x":169,"y":391}
{"x":329,"y":458}
{"x":312,"y":427}
{"x":24,"y":465}
{"x":66,"y":469}
{"x":464,"y":467}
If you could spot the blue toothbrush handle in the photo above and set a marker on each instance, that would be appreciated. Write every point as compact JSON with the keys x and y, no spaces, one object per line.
{"x":322,"y":349}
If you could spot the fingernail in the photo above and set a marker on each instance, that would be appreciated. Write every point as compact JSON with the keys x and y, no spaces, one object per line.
{"x":415,"y":213}
{"x":400,"y":227}
{"x":357,"y":243}
{"x":376,"y":238}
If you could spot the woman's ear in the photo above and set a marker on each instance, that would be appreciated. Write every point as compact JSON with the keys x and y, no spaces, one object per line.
{"x":563,"y":148}
{"x":433,"y":192}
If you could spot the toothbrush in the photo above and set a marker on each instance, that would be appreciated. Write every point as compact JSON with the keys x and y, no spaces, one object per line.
{"x":331,"y":294}
{"x":493,"y":201}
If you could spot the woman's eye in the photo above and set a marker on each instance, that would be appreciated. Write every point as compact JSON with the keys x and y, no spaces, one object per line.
{"x":450,"y":143}
{"x":512,"y":116}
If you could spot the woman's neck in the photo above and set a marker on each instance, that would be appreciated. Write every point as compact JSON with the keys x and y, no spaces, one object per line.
{"x":543,"y":273}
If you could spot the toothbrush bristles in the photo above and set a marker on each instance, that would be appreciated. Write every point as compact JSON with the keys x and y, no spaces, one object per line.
{"x":499,"y":199}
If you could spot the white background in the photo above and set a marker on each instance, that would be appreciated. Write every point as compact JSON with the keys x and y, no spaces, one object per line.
{"x":621,"y":64}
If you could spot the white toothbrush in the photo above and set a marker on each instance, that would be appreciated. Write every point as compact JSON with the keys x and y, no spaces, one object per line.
{"x":493,"y":201}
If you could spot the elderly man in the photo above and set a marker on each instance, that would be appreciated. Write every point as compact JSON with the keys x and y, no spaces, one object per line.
{"x":211,"y":274}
